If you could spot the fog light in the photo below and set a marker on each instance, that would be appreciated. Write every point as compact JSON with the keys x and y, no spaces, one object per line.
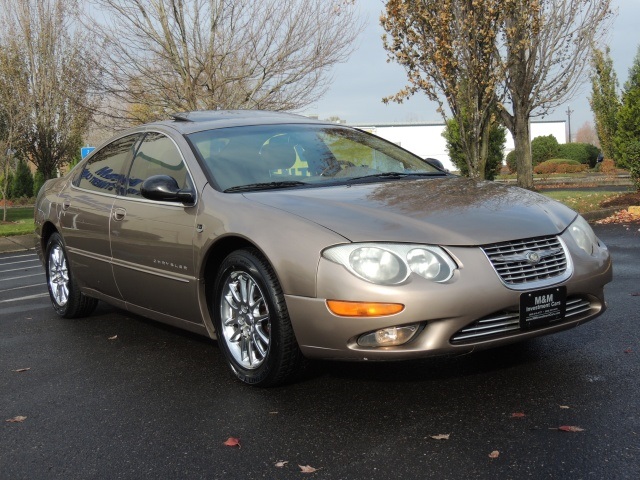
{"x":388,"y":337}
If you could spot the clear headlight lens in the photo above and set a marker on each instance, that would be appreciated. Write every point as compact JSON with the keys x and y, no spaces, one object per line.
{"x":583,"y":235}
{"x":391,"y":264}
{"x":377,"y":265}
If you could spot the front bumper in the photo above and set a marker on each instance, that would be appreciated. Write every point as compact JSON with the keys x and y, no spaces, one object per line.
{"x":442,"y":310}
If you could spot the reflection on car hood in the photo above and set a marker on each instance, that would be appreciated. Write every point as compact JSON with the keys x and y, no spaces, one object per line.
{"x":444,"y":211}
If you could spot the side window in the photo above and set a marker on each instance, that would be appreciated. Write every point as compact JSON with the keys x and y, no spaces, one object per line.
{"x":157,"y":155}
{"x":103,"y":172}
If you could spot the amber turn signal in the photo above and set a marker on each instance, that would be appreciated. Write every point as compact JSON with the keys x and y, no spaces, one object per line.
{"x":363,"y":309}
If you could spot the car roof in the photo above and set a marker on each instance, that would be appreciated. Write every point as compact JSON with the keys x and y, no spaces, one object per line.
{"x":196,"y":121}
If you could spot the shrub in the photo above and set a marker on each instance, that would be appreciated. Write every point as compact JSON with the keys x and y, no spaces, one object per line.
{"x":38,"y":181}
{"x":558,"y":165}
{"x":543,"y":148}
{"x":511,"y":161}
{"x":580,"y":152}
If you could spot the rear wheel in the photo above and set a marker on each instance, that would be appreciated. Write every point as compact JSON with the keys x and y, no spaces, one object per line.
{"x":67,"y":300}
{"x":252,"y":322}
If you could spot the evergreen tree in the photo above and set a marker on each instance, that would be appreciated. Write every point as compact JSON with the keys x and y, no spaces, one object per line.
{"x":604,"y":100}
{"x":627,"y":140}
{"x":22,"y":185}
{"x":495,"y":153}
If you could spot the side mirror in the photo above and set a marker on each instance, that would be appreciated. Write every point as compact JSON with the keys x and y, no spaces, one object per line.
{"x":165,"y":188}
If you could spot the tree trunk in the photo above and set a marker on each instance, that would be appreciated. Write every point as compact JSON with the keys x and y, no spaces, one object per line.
{"x":522,"y":142}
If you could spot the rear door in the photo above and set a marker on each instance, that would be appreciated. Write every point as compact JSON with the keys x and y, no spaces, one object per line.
{"x":152,"y":241}
{"x":86,"y":213}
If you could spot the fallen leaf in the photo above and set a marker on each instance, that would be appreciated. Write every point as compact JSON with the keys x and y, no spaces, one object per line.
{"x":570,"y":428}
{"x":442,"y":436}
{"x":113,"y":338}
{"x":273,"y":413}
{"x":281,"y":463}
{"x":494,"y":454}
{"x":635,"y":294}
{"x":564,"y":406}
{"x":307,"y":469}
{"x":20,"y":370}
{"x":232,"y":442}
{"x":518,"y":415}
{"x":628,"y":350}
{"x":17,"y":419}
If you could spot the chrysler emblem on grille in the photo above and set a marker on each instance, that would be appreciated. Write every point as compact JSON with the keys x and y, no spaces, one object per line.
{"x":532,"y":257}
{"x":529,"y":256}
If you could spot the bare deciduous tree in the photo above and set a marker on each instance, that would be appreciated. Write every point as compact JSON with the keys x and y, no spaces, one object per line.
{"x":587,"y":134}
{"x":547,"y":47}
{"x":173,"y":55}
{"x":53,"y":80}
{"x":11,"y":114}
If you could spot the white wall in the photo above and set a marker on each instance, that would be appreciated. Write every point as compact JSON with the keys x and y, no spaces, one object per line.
{"x":426,"y":140}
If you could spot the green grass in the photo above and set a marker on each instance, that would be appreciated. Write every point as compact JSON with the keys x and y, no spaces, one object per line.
{"x":581,"y":202}
{"x":19,"y":221}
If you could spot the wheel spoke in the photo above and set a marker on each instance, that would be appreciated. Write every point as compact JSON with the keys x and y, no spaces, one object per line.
{"x":245,"y":319}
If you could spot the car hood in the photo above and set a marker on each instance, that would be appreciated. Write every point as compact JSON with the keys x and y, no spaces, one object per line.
{"x":443,"y":211}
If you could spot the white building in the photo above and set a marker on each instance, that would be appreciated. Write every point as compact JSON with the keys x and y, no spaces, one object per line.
{"x":426,"y":140}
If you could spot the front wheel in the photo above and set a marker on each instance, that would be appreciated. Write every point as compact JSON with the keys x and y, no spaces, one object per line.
{"x":67,"y":299}
{"x":252,"y":322}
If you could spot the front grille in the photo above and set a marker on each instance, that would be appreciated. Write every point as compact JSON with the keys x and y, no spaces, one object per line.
{"x":519,"y":263}
{"x":504,"y":323}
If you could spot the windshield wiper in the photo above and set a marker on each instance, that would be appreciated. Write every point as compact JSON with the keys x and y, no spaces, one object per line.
{"x":399,"y":175}
{"x":264,"y":186}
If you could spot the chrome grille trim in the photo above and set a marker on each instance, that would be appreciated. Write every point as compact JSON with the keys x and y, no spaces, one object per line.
{"x":509,"y":261}
{"x":501,"y":324}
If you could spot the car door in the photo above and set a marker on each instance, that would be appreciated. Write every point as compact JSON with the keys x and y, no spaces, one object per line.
{"x":152,"y":241}
{"x":86,"y":212}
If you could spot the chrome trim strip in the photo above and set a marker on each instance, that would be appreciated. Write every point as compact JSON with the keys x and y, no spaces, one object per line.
{"x":150,"y":271}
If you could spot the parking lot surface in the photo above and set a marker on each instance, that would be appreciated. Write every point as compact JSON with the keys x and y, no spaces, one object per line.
{"x":118,"y":396}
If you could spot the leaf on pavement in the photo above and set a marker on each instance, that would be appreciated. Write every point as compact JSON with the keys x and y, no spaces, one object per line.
{"x":628,"y":350}
{"x":281,"y":463}
{"x":570,"y":428}
{"x":20,"y":370}
{"x":307,"y":469}
{"x":635,"y":294}
{"x":18,"y":419}
{"x":115,"y":337}
{"x":518,"y":415}
{"x":232,"y":442}
{"x":441,"y":436}
{"x":494,"y":454}
{"x":565,"y":406}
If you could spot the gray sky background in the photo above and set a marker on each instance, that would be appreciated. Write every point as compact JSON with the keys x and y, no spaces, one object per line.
{"x":359,"y":85}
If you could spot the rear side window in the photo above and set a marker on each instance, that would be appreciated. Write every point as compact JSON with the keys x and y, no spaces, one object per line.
{"x":157,"y":155}
{"x":104,"y":171}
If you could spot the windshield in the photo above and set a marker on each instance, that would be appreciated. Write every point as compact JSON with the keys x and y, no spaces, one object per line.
{"x":285,"y":156}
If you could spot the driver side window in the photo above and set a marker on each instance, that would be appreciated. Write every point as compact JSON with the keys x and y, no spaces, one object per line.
{"x":157,"y":155}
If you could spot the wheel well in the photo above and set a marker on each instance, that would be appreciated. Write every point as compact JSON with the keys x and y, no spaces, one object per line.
{"x":48,"y":229}
{"x":216,"y":254}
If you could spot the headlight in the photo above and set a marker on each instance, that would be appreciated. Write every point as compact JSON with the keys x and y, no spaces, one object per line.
{"x":583,"y":235}
{"x":391,"y":264}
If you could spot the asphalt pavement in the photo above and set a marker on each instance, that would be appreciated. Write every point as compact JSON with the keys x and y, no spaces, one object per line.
{"x":118,"y":396}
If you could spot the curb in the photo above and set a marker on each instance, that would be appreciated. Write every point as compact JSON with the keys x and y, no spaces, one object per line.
{"x":600,"y":214}
{"x":17,"y":243}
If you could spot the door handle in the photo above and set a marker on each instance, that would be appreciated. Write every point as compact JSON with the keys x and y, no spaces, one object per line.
{"x":119,"y":213}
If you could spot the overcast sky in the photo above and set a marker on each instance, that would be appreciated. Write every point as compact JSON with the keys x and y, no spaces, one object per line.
{"x":360,"y":84}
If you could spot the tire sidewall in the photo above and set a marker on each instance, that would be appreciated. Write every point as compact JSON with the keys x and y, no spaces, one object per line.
{"x":246,"y":261}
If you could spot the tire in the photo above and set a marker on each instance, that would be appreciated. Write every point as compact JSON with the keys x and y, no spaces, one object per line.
{"x":252,"y":322}
{"x":67,"y":299}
